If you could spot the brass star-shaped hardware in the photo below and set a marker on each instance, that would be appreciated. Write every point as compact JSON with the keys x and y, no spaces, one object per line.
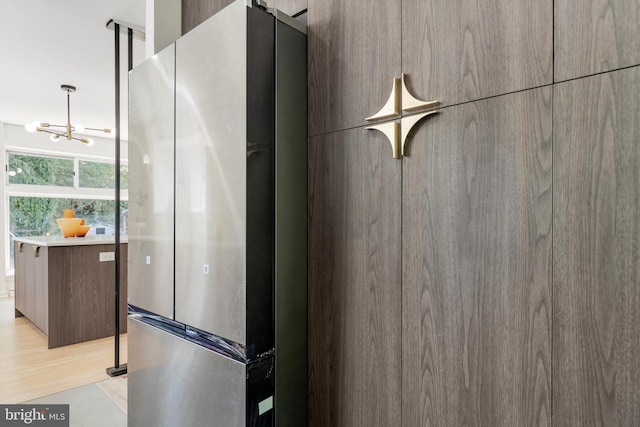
{"x":398,"y":130}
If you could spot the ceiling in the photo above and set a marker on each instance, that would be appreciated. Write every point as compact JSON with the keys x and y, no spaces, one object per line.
{"x":47,"y":43}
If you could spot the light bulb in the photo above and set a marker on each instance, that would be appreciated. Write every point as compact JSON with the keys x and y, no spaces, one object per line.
{"x":54,"y":137}
{"x":78,"y":128}
{"x":32,"y":127}
{"x":89,"y":141}
{"x":12,"y":173}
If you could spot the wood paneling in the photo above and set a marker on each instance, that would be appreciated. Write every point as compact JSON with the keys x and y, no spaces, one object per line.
{"x":476,"y":265}
{"x":67,"y":293}
{"x":354,"y":281}
{"x":194,"y":12}
{"x":596,"y":251}
{"x":290,"y":7}
{"x":40,"y":265}
{"x":19,"y":278}
{"x":593,"y":36}
{"x":354,"y":53}
{"x":82,"y":295}
{"x":31,"y":295}
{"x":457,"y":51}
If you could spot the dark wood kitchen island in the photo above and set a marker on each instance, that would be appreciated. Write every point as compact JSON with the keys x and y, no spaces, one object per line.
{"x":65,"y":286}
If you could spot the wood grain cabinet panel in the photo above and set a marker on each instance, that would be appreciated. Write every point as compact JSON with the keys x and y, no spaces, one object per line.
{"x":68,"y":293}
{"x":19,"y":277}
{"x":81,"y":301}
{"x":592,"y":36}
{"x":354,"y":53}
{"x":40,"y":264}
{"x":30,"y":296}
{"x":452,"y":51}
{"x":596,"y":251}
{"x":195,"y":12}
{"x":354,"y":301}
{"x":476,"y":265}
{"x":290,"y":7}
{"x":457,"y":51}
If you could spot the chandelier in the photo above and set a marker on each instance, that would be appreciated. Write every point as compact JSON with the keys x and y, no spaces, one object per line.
{"x":64,"y":131}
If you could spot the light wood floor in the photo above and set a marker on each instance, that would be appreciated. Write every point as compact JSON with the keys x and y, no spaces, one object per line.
{"x":28,"y":369}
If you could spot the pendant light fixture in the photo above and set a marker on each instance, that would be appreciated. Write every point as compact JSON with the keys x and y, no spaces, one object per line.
{"x":64,"y":131}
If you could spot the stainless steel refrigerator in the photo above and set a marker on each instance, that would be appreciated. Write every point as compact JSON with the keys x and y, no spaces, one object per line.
{"x":217,"y":226}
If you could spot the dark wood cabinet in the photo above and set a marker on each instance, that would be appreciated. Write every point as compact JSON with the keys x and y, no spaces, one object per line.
{"x":474,"y":272}
{"x":457,"y":51}
{"x":596,"y":251}
{"x":460,"y":232}
{"x":19,"y":278}
{"x":476,"y":278}
{"x":195,"y":12}
{"x":31,"y":266}
{"x":452,"y":51}
{"x":67,"y":292}
{"x":354,"y":281}
{"x":593,"y":36}
{"x":354,"y":53}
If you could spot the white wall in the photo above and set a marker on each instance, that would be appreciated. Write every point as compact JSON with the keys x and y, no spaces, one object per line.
{"x":15,"y":137}
{"x":163,"y":24}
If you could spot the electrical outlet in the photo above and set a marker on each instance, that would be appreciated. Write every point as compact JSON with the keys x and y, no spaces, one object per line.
{"x":107,"y":256}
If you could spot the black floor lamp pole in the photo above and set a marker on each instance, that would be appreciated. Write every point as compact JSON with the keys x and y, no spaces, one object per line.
{"x":117,"y":369}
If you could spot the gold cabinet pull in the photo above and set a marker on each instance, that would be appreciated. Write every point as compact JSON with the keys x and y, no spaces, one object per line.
{"x":398,"y":130}
{"x":392,"y":107}
{"x":36,"y":251}
{"x":407,"y":124}
{"x":20,"y":246}
{"x":392,"y":131}
{"x":411,"y":103}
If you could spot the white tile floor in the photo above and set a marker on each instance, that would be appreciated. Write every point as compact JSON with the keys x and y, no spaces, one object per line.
{"x":90,"y":405}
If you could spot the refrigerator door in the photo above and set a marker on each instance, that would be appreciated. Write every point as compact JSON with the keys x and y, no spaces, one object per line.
{"x":219,"y":140}
{"x":151,"y":183}
{"x":173,"y":382}
{"x":177,"y":380}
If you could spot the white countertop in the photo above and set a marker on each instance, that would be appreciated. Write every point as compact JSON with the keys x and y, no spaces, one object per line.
{"x":70,"y":241}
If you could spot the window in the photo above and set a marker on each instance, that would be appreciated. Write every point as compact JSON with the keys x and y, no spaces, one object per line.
{"x":101,"y":175}
{"x":36,"y":170}
{"x":40,"y":187}
{"x":36,"y":216}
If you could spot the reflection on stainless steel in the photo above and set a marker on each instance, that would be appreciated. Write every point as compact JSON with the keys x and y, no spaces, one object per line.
{"x":212,"y":171}
{"x":151,"y":183}
{"x":211,"y":175}
{"x":187,"y":373}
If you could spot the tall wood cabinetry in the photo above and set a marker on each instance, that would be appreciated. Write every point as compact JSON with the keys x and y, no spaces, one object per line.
{"x":490,"y":276}
{"x":596,"y":250}
{"x":354,"y":303}
{"x":476,"y":265}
